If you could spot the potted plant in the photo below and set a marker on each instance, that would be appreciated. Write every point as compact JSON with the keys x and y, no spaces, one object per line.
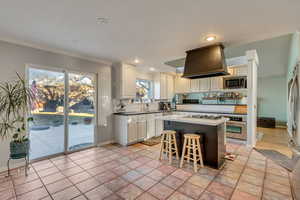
{"x":15,"y":99}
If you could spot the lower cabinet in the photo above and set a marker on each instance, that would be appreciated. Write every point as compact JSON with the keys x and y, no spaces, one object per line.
{"x":132,"y":130}
{"x":150,"y":125}
{"x":136,"y":128}
{"x":159,"y":127}
{"x":141,"y":130}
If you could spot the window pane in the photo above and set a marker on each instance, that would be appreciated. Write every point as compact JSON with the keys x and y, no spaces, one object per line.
{"x":144,"y":89}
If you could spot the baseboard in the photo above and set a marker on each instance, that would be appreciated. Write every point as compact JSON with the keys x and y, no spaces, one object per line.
{"x":105,"y":143}
{"x":12,"y":166}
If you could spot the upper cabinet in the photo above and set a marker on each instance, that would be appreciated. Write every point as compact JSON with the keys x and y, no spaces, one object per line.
{"x":241,"y":70}
{"x":204,"y":84}
{"x":163,"y":86}
{"x":170,"y":86}
{"x":195,"y":85}
{"x":126,"y":87}
{"x":216,"y":83}
{"x":182,"y":85}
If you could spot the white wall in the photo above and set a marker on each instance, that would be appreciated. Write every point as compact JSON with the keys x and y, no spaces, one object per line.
{"x":13,"y":58}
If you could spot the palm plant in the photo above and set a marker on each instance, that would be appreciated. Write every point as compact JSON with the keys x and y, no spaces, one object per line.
{"x":15,"y":99}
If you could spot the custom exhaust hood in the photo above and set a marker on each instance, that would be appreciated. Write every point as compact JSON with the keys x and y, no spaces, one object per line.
{"x":208,"y":61}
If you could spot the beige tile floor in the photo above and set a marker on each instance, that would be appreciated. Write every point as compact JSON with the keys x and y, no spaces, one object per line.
{"x":275,"y":139}
{"x":134,"y":172}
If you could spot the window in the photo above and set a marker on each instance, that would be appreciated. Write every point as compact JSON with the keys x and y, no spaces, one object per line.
{"x":144,"y":90}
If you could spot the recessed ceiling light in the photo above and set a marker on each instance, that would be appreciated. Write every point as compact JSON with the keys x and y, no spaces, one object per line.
{"x":102,"y":20}
{"x":210,"y":38}
{"x":152,"y":69}
{"x":136,"y":61}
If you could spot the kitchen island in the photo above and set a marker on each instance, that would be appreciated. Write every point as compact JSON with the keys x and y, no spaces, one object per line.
{"x":211,"y":130}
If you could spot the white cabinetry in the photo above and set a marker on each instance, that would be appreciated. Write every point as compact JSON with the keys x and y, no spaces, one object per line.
{"x":159,"y":126}
{"x":240,"y":70}
{"x":182,"y":85}
{"x":150,"y":125}
{"x":204,"y":84}
{"x":216,"y":83}
{"x":195,"y":85}
{"x":135,"y":128}
{"x":141,"y":128}
{"x":131,"y":132}
{"x":170,"y":87}
{"x":126,"y":84}
{"x":163,"y":86}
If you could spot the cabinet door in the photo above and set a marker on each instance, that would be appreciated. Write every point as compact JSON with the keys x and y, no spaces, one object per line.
{"x":241,"y":71}
{"x":141,"y":130}
{"x":129,"y":81}
{"x":132,"y":132}
{"x":163,"y":86}
{"x":195,"y":85}
{"x":150,"y":126}
{"x":170,"y":86}
{"x":158,"y":127}
{"x":216,"y":83}
{"x":204,"y":84}
{"x":182,"y":85}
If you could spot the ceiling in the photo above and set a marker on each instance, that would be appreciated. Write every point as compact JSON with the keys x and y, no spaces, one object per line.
{"x":153,"y":31}
{"x":273,"y":55}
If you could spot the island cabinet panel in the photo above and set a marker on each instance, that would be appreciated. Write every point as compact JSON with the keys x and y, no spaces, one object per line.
{"x":212,"y":140}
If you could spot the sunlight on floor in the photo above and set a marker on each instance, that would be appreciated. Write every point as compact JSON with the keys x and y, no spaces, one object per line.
{"x":274,"y":139}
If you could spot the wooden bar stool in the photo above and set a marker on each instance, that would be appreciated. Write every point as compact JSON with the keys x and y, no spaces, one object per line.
{"x":168,"y":145}
{"x":191,"y":144}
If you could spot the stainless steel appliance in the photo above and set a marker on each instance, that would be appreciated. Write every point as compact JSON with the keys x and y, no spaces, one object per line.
{"x":236,"y":127}
{"x":236,"y":82}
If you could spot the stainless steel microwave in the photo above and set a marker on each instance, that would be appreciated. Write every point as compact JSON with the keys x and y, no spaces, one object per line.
{"x":235,"y":82}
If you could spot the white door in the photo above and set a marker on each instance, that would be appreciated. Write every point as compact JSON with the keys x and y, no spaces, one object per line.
{"x":163,"y":86}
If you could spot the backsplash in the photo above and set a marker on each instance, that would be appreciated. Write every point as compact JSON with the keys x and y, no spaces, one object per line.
{"x":129,"y":106}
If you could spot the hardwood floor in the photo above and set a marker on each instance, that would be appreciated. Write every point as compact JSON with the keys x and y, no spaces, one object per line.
{"x":275,"y":139}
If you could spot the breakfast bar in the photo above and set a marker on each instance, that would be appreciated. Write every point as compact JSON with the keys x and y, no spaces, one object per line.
{"x":211,"y":130}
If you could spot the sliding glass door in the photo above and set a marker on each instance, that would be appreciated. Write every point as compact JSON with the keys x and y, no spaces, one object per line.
{"x":81,"y":111}
{"x":64,"y":112}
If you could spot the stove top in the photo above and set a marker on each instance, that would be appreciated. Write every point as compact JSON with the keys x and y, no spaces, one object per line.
{"x":207,"y":116}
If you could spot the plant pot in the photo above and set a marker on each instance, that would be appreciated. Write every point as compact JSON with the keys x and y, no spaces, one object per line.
{"x":87,"y":120}
{"x":19,"y":149}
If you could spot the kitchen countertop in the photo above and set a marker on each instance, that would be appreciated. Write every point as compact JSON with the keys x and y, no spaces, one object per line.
{"x":213,"y":104}
{"x":193,"y":111}
{"x":185,"y":119}
{"x":139,"y":113}
{"x":158,"y":111}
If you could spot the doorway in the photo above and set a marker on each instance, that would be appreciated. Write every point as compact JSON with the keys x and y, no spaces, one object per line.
{"x":64,"y":112}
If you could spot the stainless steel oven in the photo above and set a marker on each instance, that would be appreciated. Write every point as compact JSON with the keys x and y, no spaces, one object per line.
{"x":235,"y":82}
{"x":236,"y":127}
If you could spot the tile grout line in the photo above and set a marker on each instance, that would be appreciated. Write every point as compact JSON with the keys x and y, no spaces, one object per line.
{"x":73,"y":184}
{"x":219,"y":174}
{"x":42,"y":181}
{"x":244,"y":167}
{"x":264,"y":180}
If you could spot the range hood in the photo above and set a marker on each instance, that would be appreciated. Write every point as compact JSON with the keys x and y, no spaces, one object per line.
{"x":208,"y":61}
